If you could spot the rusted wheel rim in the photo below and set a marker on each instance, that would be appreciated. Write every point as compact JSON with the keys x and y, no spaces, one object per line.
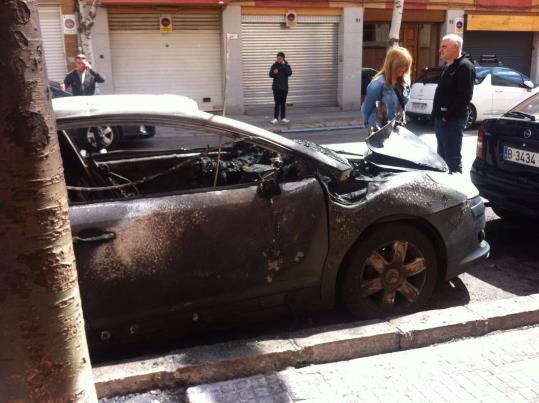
{"x":394,"y":275}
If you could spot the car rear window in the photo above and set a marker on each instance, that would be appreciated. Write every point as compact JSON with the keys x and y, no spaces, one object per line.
{"x":430,"y":77}
{"x":530,"y":106}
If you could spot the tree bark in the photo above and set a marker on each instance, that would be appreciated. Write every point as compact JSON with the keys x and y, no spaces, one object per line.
{"x":43,"y":350}
{"x":86,"y":20}
{"x":396,"y":18}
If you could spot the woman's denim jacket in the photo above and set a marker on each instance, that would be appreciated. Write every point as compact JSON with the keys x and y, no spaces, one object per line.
{"x":378,"y":90}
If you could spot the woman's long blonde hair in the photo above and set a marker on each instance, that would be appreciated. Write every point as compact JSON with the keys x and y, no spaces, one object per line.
{"x":396,"y":57}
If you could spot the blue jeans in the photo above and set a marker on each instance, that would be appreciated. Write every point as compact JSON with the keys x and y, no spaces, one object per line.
{"x":449,"y":136}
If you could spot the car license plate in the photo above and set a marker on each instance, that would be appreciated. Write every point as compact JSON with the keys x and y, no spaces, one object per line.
{"x":418,"y":105}
{"x":521,"y":156}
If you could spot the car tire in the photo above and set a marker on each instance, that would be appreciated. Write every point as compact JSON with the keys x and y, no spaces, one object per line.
{"x":472,"y":116}
{"x":112,"y":135}
{"x":392,"y":271}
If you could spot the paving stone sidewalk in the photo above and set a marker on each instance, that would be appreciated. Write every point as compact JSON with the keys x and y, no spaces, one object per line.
{"x":499,"y":367}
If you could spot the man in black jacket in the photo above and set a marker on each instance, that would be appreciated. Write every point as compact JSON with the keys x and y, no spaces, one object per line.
{"x":82,"y":81}
{"x":280,"y":71}
{"x":451,"y":99}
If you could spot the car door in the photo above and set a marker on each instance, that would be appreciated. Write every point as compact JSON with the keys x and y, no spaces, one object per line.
{"x":147,"y":259}
{"x":509,"y":90}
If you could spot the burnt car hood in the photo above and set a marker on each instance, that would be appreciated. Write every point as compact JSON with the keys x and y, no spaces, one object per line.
{"x":396,"y":146}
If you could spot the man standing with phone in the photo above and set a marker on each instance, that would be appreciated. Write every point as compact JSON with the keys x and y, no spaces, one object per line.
{"x":82,"y":81}
{"x":280,"y":71}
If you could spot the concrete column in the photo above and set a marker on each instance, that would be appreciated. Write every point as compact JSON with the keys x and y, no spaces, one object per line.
{"x":350,"y":58}
{"x":534,"y":70}
{"x":101,"y":50}
{"x":232,"y":63}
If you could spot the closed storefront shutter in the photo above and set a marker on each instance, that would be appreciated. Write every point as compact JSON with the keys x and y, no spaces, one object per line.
{"x":514,"y":49}
{"x":50,"y":19}
{"x":186,"y":61}
{"x":311,"y":48}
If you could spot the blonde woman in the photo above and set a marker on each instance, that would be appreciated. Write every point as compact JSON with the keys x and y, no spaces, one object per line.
{"x":391,"y":85}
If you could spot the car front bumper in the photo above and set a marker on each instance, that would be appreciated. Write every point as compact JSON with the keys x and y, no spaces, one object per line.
{"x":506,"y":190}
{"x":463,"y":231}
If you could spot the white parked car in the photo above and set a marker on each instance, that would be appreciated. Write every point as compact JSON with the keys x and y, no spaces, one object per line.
{"x":497,"y":89}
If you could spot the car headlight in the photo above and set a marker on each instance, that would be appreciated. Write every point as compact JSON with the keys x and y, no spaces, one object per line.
{"x":460,"y":183}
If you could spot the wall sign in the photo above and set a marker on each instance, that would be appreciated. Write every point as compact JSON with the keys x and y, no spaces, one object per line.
{"x":69,"y":24}
{"x":165,"y":23}
{"x":459,"y":25}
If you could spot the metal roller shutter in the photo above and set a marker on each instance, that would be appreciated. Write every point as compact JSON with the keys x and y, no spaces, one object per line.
{"x":514,"y":49}
{"x":311,"y":48}
{"x":50,"y":19}
{"x":186,"y":61}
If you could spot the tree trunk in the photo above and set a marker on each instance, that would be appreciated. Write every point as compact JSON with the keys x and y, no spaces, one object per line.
{"x":43,"y":351}
{"x":396,"y":18}
{"x":86,"y":19}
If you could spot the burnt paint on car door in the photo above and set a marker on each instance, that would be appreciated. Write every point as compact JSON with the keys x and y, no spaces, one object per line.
{"x":178,"y":252}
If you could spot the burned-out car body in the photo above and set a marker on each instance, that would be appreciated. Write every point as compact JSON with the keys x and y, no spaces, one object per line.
{"x":255,"y":223}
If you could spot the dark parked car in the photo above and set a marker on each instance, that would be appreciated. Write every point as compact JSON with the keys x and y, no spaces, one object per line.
{"x":252,"y":223}
{"x":113,"y":134}
{"x":506,"y":169}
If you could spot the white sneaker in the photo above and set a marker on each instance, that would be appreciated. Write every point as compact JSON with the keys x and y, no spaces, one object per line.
{"x":83,"y":153}
{"x":103,"y":151}
{"x":274,"y":121}
{"x":285,"y":120}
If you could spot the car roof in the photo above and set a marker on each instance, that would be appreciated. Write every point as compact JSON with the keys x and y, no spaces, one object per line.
{"x":159,"y":109}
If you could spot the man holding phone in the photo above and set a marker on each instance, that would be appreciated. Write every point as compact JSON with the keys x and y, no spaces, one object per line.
{"x":82,"y":81}
{"x":280,"y":71}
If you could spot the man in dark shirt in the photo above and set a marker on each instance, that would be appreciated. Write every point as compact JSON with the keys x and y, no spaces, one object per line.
{"x":82,"y":81}
{"x":453,"y":94}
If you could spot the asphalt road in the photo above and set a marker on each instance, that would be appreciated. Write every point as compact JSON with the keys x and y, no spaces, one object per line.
{"x":511,"y":270}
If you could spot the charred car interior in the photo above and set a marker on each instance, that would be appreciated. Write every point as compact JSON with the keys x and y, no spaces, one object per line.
{"x":151,"y":173}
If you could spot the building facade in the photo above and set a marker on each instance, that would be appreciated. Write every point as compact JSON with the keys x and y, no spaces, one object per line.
{"x":219,"y":52}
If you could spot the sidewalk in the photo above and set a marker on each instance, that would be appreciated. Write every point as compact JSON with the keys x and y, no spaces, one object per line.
{"x":301,"y":117}
{"x":500,"y":367}
{"x":229,"y":361}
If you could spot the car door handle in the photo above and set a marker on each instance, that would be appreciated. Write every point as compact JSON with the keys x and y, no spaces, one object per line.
{"x":104,"y":237}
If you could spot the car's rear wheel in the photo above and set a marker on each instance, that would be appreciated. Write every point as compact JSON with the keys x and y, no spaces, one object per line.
{"x":472,"y":116}
{"x":393,"y":271}
{"x":112,"y":137}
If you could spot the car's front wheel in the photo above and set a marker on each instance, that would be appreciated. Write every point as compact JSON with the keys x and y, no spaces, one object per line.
{"x":472,"y":116}
{"x":392,"y":271}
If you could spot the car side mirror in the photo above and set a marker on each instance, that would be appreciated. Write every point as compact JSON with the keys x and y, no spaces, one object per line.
{"x":529,"y":84}
{"x":269,"y":185}
{"x":381,"y":113}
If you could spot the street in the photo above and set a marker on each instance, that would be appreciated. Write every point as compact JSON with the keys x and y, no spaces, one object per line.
{"x":511,"y":270}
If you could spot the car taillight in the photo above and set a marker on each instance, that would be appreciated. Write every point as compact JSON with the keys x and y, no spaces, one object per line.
{"x":481,"y":148}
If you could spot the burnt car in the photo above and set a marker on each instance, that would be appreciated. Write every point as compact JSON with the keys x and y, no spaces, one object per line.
{"x":113,"y":134}
{"x":249,"y":224}
{"x":506,"y":168}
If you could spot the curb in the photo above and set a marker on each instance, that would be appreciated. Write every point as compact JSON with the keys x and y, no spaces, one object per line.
{"x":237,"y":359}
